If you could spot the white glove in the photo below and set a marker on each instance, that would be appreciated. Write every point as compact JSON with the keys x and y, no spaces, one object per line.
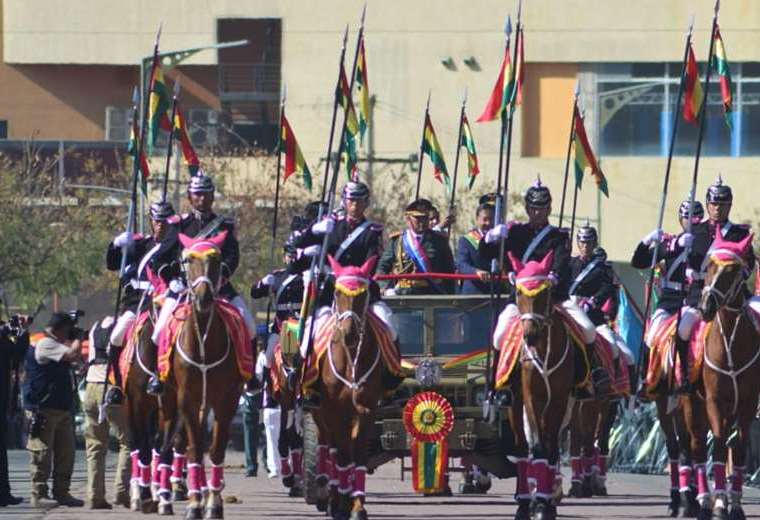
{"x":312,"y":251}
{"x":176,"y":286}
{"x":686,"y":240}
{"x":124,"y":239}
{"x":323,"y":227}
{"x":268,"y":280}
{"x":390,"y":291}
{"x":496,"y":233}
{"x":654,"y":236}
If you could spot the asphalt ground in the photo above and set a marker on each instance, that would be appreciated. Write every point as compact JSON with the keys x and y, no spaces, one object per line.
{"x":630,"y":496}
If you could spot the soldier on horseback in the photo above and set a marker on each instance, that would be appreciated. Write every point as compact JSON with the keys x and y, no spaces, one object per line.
{"x":532,"y":241}
{"x":202,"y":222}
{"x":672,"y":251}
{"x":142,"y":252}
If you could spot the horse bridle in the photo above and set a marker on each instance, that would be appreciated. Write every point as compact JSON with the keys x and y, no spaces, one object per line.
{"x":360,"y":320}
{"x":721,"y":298}
{"x":541,"y":320}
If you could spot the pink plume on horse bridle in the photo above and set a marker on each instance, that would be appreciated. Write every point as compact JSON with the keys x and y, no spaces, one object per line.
{"x":533,"y":274}
{"x":350,"y":276}
{"x":726,"y":251}
{"x":200,"y":245}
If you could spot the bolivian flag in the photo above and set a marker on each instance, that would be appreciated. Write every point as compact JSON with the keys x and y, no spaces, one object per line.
{"x":134,"y":136}
{"x":188,"y":152}
{"x":693,"y":88}
{"x":501,"y":92}
{"x":159,"y":103}
{"x":472,"y":156}
{"x":352,"y":125}
{"x":584,"y":158}
{"x":431,"y":147}
{"x":362,"y":87}
{"x":720,"y":65}
{"x":294,"y":161}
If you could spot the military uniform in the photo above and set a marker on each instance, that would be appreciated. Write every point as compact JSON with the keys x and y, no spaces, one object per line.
{"x":399,"y":258}
{"x":351,"y":242}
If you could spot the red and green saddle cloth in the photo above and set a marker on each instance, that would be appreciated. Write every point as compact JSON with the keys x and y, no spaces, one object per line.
{"x":662,"y":353}
{"x":132,"y":340}
{"x":510,"y":348}
{"x":233,"y":322}
{"x":389,"y":353}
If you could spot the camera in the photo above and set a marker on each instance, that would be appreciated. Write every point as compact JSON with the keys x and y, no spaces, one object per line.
{"x":36,"y":425}
{"x":76,"y":333}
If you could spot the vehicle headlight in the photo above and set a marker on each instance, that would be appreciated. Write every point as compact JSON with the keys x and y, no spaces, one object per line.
{"x":428,"y":373}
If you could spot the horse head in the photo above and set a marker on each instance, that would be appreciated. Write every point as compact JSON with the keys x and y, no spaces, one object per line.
{"x":352,"y":297}
{"x":202,"y":261}
{"x":724,"y":274}
{"x":533,"y":294}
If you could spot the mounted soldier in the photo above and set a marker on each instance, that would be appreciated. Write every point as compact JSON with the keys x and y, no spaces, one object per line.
{"x":144,"y":252}
{"x":418,"y":249}
{"x":202,"y":222}
{"x":675,"y":292}
{"x":532,"y":241}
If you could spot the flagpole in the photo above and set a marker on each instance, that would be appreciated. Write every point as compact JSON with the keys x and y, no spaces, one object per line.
{"x":663,"y":200}
{"x":581,"y":115}
{"x":422,"y":148}
{"x":170,"y":146}
{"x":452,"y":195}
{"x":341,"y":61}
{"x":569,"y":150}
{"x":510,"y":120}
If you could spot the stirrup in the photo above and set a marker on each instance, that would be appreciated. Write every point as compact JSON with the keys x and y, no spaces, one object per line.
{"x":600,"y":381}
{"x":155,"y":386}
{"x":311,"y":402}
{"x":114,"y":396}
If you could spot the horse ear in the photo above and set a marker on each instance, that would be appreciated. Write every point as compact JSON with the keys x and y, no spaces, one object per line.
{"x":334,"y":264}
{"x":548,"y":260}
{"x":746,"y":244}
{"x":517,"y":265}
{"x":369,"y":265}
{"x":218,"y":240}
{"x":185,"y":240}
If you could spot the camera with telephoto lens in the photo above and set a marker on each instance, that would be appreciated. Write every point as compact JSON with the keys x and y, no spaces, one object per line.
{"x":76,"y":332}
{"x":36,"y":425}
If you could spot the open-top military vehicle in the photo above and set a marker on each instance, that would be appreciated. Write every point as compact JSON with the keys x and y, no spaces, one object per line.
{"x":444,"y":341}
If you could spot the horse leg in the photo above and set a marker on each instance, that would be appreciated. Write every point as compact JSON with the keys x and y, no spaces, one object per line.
{"x":696,"y":424}
{"x":179,"y":467}
{"x":283,"y":447}
{"x":576,"y":464}
{"x":686,"y":473}
{"x":224,"y":410}
{"x":668,"y":426}
{"x":720,"y":455}
{"x":738,"y":457}
{"x":360,"y":436}
{"x":344,"y":467}
{"x":195,"y":479}
{"x":607,"y":414}
{"x":522,"y":490}
{"x":589,"y":416}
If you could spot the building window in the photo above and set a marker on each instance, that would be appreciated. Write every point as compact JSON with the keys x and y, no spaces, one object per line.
{"x":3,"y":129}
{"x":117,"y":124}
{"x":636,"y":103}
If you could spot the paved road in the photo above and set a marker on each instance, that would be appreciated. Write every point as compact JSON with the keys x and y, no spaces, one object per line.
{"x":631,"y":496}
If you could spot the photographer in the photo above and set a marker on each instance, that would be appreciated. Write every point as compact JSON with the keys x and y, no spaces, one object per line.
{"x":49,"y":395}
{"x":14,"y":341}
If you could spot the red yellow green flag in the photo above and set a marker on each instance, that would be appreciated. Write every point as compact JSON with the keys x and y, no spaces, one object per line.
{"x":515,"y":98}
{"x":352,"y":125}
{"x":501,"y":90}
{"x":431,"y":147}
{"x":188,"y":152}
{"x":584,"y":158}
{"x":132,"y":148}
{"x":294,"y":161}
{"x":362,"y":86}
{"x":159,"y":103}
{"x":720,"y":65}
{"x":693,"y":90}
{"x":472,"y":156}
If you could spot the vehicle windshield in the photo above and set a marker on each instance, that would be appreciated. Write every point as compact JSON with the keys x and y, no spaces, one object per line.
{"x":411,"y":326}
{"x":459,"y":331}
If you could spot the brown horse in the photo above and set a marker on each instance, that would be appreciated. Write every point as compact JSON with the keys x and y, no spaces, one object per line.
{"x":589,"y":446}
{"x":203,"y":359}
{"x":731,"y":369}
{"x":545,"y":384}
{"x":350,"y":386}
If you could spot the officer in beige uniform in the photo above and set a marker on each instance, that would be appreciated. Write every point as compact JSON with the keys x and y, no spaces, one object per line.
{"x":96,"y":433}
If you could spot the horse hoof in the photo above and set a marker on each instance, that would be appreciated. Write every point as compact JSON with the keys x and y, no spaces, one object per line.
{"x":523,"y":510}
{"x":704,"y":513}
{"x":689,"y":504}
{"x":165,"y":509}
{"x":359,"y":515}
{"x":576,"y":490}
{"x":288,"y":481}
{"x":194,"y":513}
{"x":321,"y":505}
{"x":179,"y":492}
{"x":598,"y":488}
{"x":322,"y":481}
{"x":135,"y":505}
{"x":149,"y":507}
{"x":545,"y":511}
{"x":296,"y":492}
{"x":675,"y":503}
{"x":214,"y":512}
{"x":586,"y":491}
{"x":736,"y":513}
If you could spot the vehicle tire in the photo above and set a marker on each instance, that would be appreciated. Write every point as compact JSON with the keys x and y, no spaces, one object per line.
{"x":310,"y":442}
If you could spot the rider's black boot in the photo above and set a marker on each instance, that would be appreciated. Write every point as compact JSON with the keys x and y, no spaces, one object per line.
{"x":682,"y":348}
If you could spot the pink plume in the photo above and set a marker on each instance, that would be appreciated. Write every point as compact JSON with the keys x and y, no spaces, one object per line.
{"x":334,"y":265}
{"x":548,"y":260}
{"x":517,"y":265}
{"x":216,"y":241}
{"x":369,"y":266}
{"x":740,"y":248}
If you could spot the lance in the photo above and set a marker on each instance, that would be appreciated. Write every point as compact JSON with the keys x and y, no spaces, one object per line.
{"x":336,"y":102}
{"x":276,"y":195}
{"x":452,"y":195}
{"x":317,"y":265}
{"x":170,"y":147}
{"x":569,"y":149}
{"x":663,"y":199}
{"x":581,"y":115}
{"x":422,"y":148}
{"x":497,"y":264}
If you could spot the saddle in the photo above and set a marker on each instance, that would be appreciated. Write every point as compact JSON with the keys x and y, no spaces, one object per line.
{"x":132,"y":339}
